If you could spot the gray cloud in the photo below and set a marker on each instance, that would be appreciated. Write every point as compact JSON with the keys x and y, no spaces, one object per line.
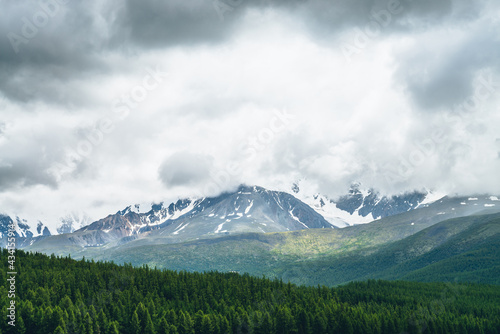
{"x":185,"y":169}
{"x":60,"y":45}
{"x":441,"y":73}
{"x":155,"y":23}
{"x":25,"y":165}
{"x":369,"y":120}
{"x":46,"y":50}
{"x":22,"y":174}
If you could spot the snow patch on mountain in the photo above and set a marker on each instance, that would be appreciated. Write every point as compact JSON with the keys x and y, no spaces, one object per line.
{"x":181,"y":228}
{"x":297,"y":219}
{"x":219,"y":228}
{"x":431,"y":197}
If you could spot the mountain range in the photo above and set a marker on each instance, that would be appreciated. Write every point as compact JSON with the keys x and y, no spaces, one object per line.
{"x":361,"y":205}
{"x":272,"y":233}
{"x":358,"y":206}
{"x":425,"y":244}
{"x":248,"y":209}
{"x":25,"y":233}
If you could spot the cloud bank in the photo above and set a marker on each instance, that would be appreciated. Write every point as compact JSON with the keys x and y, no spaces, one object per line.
{"x":107,"y":104}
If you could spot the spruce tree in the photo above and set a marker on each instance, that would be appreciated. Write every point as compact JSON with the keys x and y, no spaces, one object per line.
{"x":135,"y":324}
{"x":113,"y":328}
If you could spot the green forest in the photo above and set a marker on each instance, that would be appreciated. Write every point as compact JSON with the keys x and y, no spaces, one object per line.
{"x":62,"y":295}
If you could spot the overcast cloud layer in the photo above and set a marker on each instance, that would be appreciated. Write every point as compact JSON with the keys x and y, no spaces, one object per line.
{"x":105,"y":104}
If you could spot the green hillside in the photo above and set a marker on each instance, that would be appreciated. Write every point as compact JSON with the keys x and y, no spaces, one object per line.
{"x":463,"y":249}
{"x":334,"y":257}
{"x":396,"y":247}
{"x":61,"y":295}
{"x":325,"y":256}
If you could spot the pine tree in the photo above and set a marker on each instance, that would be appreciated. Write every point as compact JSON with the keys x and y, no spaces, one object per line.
{"x":135,"y":324}
{"x":207,"y":326}
{"x":225,"y":328}
{"x":71,"y":324}
{"x":171,"y":317}
{"x":267,"y":323}
{"x":88,"y":324}
{"x":185,"y":324}
{"x":113,"y":328}
{"x":60,"y":330}
{"x":164,"y":327}
{"x":57,"y":318}
{"x":101,"y":322}
{"x":28,"y":314}
{"x":284,"y":321}
{"x":149,"y":327}
{"x":244,"y":323}
{"x":197,"y":320}
{"x":345,"y":325}
{"x":20,"y":327}
{"x":173,"y":329}
{"x":303,"y":322}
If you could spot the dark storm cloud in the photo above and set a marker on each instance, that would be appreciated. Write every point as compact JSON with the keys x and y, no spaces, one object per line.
{"x":44,"y":47}
{"x":154,"y":23}
{"x":47,"y":47}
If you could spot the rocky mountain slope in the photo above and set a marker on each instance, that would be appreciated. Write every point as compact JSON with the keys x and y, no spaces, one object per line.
{"x":248,"y":209}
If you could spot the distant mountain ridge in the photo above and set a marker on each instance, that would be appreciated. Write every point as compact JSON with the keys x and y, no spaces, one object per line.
{"x":362,"y":205}
{"x":72,"y":222}
{"x":248,"y":209}
{"x":404,"y":246}
{"x":24,"y":232}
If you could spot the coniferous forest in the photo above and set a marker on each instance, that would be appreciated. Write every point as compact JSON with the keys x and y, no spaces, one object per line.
{"x":62,"y":295}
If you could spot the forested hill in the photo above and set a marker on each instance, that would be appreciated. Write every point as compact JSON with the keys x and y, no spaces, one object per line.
{"x":61,"y":295}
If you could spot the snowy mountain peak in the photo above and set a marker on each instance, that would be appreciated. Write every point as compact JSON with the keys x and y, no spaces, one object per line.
{"x":26,"y":232}
{"x":131,"y":208}
{"x":248,"y":209}
{"x":72,"y":222}
{"x":361,"y":205}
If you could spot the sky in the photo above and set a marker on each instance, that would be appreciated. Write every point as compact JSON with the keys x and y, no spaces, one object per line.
{"x":104,"y":104}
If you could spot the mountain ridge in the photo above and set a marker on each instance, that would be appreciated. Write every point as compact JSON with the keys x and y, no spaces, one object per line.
{"x":248,"y":209}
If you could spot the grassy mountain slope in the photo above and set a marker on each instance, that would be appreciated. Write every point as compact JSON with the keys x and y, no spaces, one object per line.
{"x":333,"y":257}
{"x":414,"y":245}
{"x":463,"y":249}
{"x":260,"y":253}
